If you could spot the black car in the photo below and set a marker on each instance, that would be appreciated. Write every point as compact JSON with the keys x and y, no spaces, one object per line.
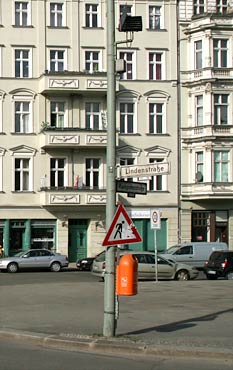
{"x":220,"y":264}
{"x":85,"y":264}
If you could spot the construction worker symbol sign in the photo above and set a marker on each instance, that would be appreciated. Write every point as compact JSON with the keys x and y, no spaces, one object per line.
{"x":122,"y":230}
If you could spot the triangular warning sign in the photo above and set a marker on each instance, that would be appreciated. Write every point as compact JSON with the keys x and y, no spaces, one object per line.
{"x":122,"y":229}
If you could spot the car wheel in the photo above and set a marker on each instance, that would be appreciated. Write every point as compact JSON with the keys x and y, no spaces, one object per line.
{"x":230,"y":276}
{"x":182,"y":275}
{"x":55,"y":267}
{"x":211,"y":277}
{"x":12,"y":267}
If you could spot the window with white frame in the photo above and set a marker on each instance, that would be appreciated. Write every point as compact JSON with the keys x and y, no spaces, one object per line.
{"x":198,"y":6}
{"x":93,"y":118}
{"x":156,"y":61}
{"x":221,"y":6}
{"x":92,"y":61}
{"x":125,"y":9}
{"x":58,"y":60}
{"x":221,"y":166}
{"x":57,"y":14}
{"x":198,"y":54}
{"x":57,"y":114}
{"x":199,"y":110}
{"x":129,"y":58}
{"x":199,"y":166}
{"x":127,"y":162}
{"x":93,"y":172}
{"x":22,"y":13}
{"x":23,"y":120}
{"x":221,"y":107}
{"x":1,"y":105}
{"x":156,"y":118}
{"x":220,"y":53}
{"x":157,"y":183}
{"x":92,"y":15}
{"x":127,"y":118}
{"x":57,"y":172}
{"x":23,"y":63}
{"x":23,"y":174}
{"x":155,"y":19}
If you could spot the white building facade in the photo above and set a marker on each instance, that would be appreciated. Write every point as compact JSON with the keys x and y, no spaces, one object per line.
{"x":53,"y":126}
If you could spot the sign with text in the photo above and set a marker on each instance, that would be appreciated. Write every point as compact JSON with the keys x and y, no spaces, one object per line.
{"x":155,"y":219}
{"x":146,"y":170}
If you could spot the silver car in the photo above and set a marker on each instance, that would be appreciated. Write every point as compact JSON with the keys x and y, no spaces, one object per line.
{"x":34,"y":259}
{"x":167,"y":269}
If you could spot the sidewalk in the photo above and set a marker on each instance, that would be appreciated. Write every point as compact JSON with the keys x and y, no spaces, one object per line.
{"x":191,"y":318}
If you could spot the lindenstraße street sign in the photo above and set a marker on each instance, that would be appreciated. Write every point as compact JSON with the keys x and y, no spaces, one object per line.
{"x":146,"y":170}
{"x":131,"y":187}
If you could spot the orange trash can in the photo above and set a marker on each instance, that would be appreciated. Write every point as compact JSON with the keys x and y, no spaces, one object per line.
{"x":127,"y":275}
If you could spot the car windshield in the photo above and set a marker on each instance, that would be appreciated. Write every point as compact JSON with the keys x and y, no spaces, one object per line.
{"x":20,"y":254}
{"x":172,"y":249}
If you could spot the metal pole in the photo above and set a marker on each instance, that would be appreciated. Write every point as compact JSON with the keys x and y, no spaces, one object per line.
{"x":156,"y":256}
{"x":109,"y":286}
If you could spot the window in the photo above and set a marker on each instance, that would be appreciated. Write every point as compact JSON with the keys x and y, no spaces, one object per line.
{"x":221,"y":6}
{"x":155,"y":66}
{"x":220,"y":109}
{"x":57,"y":172}
{"x":126,"y":9}
{"x":22,"y":13}
{"x":198,"y":7}
{"x":127,"y":118}
{"x":22,"y":63}
{"x":92,"y":172}
{"x":199,"y":167}
{"x":187,"y":249}
{"x":156,"y":118}
{"x":93,"y":116}
{"x":220,"y":53}
{"x":221,"y":166}
{"x":57,"y":118}
{"x":23,"y":117}
{"x":199,"y":110}
{"x":154,"y":17}
{"x":198,"y":54}
{"x":57,"y":60}
{"x":156,"y":183}
{"x":92,"y":17}
{"x":129,"y":60}
{"x":22,"y":174}
{"x":127,"y":162}
{"x":56,"y":15}
{"x":92,"y":61}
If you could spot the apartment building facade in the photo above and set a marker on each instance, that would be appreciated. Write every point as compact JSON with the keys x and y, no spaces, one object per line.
{"x":206,"y":119}
{"x":53,"y":125}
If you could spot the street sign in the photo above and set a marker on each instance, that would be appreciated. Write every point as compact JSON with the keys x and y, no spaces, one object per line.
{"x":131,"y":187}
{"x":155,"y":219}
{"x":146,"y":170}
{"x":122,"y":230}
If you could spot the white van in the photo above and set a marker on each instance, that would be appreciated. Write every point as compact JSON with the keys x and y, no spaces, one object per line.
{"x":193,"y":253}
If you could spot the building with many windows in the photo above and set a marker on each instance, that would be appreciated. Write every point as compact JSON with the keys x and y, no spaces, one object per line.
{"x":173,"y":105}
{"x":53,"y":125}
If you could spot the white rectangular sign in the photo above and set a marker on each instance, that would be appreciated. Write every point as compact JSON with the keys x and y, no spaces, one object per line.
{"x":155,"y":220}
{"x":146,"y":170}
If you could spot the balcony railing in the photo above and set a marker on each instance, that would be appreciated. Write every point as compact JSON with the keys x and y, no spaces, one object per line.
{"x":69,"y":137}
{"x":204,"y":132}
{"x":194,"y":191}
{"x":206,"y":74}
{"x":72,"y":196}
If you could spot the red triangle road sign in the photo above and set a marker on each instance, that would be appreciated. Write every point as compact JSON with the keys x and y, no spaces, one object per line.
{"x":122,"y":229}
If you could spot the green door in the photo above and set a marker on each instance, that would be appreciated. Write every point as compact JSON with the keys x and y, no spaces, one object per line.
{"x":77,"y":242}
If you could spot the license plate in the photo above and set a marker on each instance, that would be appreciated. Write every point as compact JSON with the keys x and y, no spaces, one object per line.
{"x":211,"y":272}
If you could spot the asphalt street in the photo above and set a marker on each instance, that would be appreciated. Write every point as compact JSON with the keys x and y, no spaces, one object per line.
{"x":193,"y":318}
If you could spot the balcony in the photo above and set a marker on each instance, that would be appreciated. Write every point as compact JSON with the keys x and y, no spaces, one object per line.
{"x":74,"y":82}
{"x":69,"y":137}
{"x":199,"y":191}
{"x":72,"y":196}
{"x":208,"y":73}
{"x":210,"y":132}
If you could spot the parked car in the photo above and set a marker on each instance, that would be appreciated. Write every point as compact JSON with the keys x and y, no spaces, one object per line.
{"x":193,"y":253}
{"x":34,"y":259}
{"x":146,"y":267}
{"x":220,"y":264}
{"x":85,"y":264}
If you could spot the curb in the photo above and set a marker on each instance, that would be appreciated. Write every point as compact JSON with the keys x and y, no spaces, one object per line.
{"x":114,"y":346}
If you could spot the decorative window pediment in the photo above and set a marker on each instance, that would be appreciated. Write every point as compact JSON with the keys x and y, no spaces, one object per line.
{"x":157,"y":151}
{"x":128,"y":151}
{"x":23,"y":150}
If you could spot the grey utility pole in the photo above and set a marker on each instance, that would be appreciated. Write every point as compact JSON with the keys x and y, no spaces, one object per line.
{"x":109,"y":285}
